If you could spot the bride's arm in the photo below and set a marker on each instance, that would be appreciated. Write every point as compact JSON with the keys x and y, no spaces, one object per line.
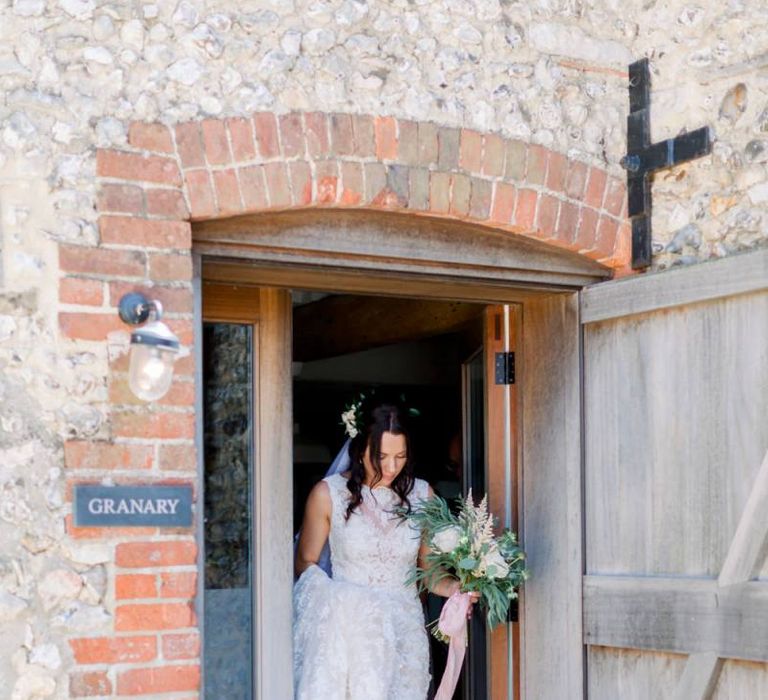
{"x":447,"y":585}
{"x":315,"y":528}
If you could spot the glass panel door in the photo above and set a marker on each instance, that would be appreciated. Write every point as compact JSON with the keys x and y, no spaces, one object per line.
{"x":228,"y":513}
{"x":473,"y":386}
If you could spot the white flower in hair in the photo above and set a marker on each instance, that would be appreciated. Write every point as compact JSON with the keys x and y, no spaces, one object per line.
{"x":349,"y":419}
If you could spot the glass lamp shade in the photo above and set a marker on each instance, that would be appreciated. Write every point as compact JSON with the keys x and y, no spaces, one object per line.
{"x":153,"y":351}
{"x":151,"y":371}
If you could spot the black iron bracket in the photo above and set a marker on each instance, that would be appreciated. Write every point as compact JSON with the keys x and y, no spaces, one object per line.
{"x":644,"y":158}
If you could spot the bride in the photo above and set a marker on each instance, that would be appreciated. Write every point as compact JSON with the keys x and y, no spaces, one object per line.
{"x":360,"y":634}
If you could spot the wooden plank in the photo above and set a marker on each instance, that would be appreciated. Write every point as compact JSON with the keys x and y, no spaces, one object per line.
{"x":699,"y":677}
{"x":273,"y":496}
{"x":682,"y":615}
{"x":329,"y":262}
{"x":632,"y":674}
{"x":747,"y":549}
{"x":742,"y":679}
{"x":385,"y":283}
{"x":495,"y":446}
{"x":514,"y":484}
{"x":338,"y":325}
{"x":675,"y":432}
{"x":703,"y":669}
{"x":197,"y":354}
{"x":230,"y":303}
{"x":736,"y":274}
{"x":498,"y":456}
{"x":387,"y":240}
{"x":302,"y":259}
{"x":674,"y":440}
{"x":552,"y":652}
{"x":515,"y":420}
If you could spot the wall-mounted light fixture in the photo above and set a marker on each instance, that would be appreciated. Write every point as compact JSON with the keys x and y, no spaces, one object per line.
{"x":154,"y":347}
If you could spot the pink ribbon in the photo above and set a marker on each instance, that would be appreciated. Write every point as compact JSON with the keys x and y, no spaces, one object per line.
{"x":453,"y":623}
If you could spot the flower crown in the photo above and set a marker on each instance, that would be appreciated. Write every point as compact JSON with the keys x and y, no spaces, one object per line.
{"x":352,"y":419}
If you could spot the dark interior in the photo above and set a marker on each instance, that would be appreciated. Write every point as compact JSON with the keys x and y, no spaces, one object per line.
{"x":345,"y":344}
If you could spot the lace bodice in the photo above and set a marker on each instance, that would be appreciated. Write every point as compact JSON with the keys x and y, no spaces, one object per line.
{"x":374,"y":547}
{"x":361,"y":634}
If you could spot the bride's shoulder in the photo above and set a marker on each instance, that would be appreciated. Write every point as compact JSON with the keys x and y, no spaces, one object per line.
{"x":321,"y":490}
{"x":421,"y":488}
{"x":319,"y":500}
{"x":333,"y":484}
{"x":336,"y":480}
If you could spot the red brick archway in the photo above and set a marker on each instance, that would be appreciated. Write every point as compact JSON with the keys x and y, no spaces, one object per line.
{"x":149,"y":193}
{"x":225,"y":167}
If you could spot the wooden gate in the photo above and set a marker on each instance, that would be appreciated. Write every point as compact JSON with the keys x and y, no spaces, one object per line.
{"x":676,"y":482}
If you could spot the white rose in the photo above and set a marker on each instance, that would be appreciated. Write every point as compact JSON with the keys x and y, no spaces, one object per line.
{"x":447,"y":540}
{"x":493,"y":565}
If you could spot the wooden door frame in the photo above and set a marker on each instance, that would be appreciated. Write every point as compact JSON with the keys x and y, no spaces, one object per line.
{"x":267,"y":313}
{"x":549,"y":466}
{"x":502,"y":331}
{"x":224,"y":304}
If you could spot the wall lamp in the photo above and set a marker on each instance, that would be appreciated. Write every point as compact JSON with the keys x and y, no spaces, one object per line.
{"x":154,"y":347}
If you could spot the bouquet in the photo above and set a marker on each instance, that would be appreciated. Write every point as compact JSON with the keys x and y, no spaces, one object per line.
{"x":464,"y":546}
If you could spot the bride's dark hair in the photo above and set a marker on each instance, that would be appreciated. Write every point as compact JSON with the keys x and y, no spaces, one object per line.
{"x":379,"y":417}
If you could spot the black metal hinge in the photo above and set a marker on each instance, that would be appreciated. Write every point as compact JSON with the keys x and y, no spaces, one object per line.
{"x":644,"y":158}
{"x":505,"y":368}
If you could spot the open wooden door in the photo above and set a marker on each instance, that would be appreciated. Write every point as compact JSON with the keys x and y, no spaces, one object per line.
{"x":531,"y":470}
{"x":676,"y":482}
{"x":502,"y":331}
{"x":246,"y":534}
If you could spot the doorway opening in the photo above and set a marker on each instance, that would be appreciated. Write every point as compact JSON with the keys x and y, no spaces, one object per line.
{"x":428,"y":352}
{"x":245,"y":267}
{"x":266,"y":350}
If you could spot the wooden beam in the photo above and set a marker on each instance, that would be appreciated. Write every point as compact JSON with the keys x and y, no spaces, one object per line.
{"x":497,"y":452}
{"x":744,"y":556}
{"x":339,"y":325}
{"x":747,"y":547}
{"x":375,"y":241}
{"x":681,"y":615}
{"x":273,"y":498}
{"x":381,"y":283}
{"x":699,"y":677}
{"x":737,"y":274}
{"x":551,"y":623}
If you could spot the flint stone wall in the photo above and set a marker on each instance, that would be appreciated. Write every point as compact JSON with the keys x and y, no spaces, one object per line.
{"x":75,"y":73}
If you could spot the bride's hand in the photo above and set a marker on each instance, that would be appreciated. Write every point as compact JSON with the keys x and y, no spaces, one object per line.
{"x":474,"y":596}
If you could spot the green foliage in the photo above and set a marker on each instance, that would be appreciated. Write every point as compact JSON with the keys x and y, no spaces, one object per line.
{"x":464,"y":546}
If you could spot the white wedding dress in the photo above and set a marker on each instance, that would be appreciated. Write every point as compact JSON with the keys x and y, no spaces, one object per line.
{"x":361,"y":635}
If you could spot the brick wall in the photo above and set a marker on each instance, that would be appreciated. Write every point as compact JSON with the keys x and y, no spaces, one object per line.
{"x":237,"y":166}
{"x":144,"y":244}
{"x":148,"y":195}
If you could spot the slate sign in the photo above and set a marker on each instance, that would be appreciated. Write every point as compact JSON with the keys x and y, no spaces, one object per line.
{"x":133,"y":506}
